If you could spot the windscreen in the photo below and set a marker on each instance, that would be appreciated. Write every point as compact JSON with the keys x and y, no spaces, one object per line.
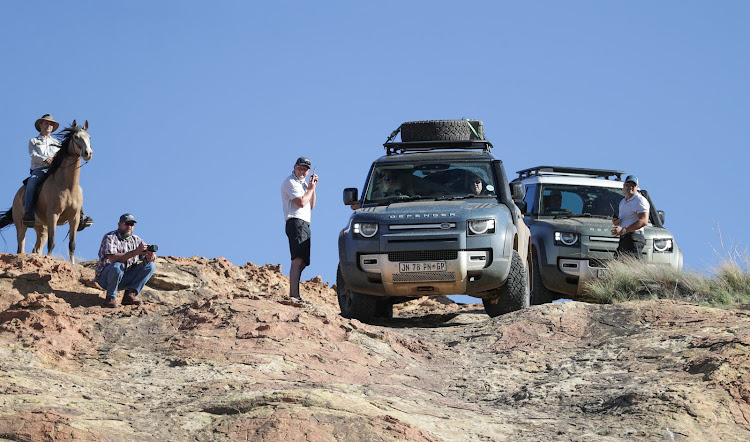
{"x":440,"y":180}
{"x":565,"y":199}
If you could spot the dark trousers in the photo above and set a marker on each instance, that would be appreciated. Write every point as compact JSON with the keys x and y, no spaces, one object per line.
{"x":631,"y":244}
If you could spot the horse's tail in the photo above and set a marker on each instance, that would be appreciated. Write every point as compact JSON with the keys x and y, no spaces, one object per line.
{"x":6,"y":218}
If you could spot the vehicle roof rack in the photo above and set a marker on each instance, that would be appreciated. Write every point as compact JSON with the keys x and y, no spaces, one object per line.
{"x":570,"y":171}
{"x":393,"y":148}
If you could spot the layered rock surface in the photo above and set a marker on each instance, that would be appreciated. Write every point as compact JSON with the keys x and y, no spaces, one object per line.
{"x":220,"y":353}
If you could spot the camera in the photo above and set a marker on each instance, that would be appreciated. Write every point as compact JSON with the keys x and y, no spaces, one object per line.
{"x":152,"y":248}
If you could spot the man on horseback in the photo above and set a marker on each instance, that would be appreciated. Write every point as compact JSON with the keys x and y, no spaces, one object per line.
{"x":41,"y":149}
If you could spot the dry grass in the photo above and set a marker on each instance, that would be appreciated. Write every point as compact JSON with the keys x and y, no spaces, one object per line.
{"x":728,"y":285}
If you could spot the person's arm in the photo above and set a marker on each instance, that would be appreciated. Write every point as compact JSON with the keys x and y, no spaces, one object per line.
{"x":315,"y":193}
{"x":124,"y":257}
{"x":641,"y":222}
{"x":35,"y":152}
{"x":309,"y":196}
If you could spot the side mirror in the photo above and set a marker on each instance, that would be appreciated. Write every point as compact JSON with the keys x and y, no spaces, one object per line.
{"x":517,"y":190}
{"x":521,"y":206}
{"x":662,"y":216}
{"x":351,"y":196}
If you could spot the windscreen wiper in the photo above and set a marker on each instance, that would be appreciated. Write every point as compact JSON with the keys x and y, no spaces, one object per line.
{"x":581,"y":215}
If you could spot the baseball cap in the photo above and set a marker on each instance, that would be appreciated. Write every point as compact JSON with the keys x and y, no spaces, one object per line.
{"x":127,"y":217}
{"x":303,"y":161}
{"x":632,"y":178}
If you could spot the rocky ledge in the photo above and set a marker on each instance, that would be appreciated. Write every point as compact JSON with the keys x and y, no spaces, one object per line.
{"x":220,"y":353}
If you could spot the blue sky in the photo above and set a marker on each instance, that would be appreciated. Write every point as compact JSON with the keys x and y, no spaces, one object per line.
{"x":198,"y":110}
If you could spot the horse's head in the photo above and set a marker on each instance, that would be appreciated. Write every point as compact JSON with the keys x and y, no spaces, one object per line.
{"x":80,"y":144}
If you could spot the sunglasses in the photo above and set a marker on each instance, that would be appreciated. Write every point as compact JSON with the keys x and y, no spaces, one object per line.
{"x":130,"y":223}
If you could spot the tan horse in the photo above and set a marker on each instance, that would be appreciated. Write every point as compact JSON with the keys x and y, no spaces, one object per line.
{"x":61,"y":197}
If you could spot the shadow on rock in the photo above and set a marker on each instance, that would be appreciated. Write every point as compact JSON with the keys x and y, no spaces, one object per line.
{"x":426,"y":321}
{"x":32,"y":282}
{"x":77,"y":299}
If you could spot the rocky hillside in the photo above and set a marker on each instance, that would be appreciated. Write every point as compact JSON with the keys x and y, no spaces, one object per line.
{"x":220,"y":353}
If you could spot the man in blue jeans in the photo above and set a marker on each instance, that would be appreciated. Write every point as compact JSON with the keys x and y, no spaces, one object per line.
{"x":124,"y":263}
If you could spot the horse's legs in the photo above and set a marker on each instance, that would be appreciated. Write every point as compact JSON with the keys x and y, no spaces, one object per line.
{"x":41,"y":238}
{"x":51,"y":225}
{"x":18,"y":211}
{"x":73,"y":224}
{"x":21,"y":237}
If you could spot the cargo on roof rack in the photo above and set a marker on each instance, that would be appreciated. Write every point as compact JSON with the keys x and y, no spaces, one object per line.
{"x":426,"y":146}
{"x":570,"y":171}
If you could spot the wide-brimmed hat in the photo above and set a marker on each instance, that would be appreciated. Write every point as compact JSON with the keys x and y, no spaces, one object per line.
{"x":46,"y":117}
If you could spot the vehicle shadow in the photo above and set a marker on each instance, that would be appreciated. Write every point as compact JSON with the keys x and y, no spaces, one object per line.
{"x":434,"y":320}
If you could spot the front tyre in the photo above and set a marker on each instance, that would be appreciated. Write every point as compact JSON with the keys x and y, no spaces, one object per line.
{"x":539,"y":293}
{"x":359,"y":306}
{"x":514,"y":294}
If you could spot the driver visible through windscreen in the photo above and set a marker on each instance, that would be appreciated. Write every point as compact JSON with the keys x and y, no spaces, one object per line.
{"x":430,"y":181}
{"x":571,"y":200}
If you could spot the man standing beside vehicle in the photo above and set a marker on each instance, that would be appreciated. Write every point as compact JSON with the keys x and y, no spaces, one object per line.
{"x":298,"y":200}
{"x":634,"y":209}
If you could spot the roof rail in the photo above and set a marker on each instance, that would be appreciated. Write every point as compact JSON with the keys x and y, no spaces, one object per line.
{"x":570,"y":171}
{"x":393,"y":148}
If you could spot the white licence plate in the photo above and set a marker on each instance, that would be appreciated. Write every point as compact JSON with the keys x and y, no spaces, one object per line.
{"x":424,"y":266}
{"x":602,"y":273}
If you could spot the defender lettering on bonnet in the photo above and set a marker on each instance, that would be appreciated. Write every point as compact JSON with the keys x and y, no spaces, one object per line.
{"x":435,"y":217}
{"x":422,"y":215}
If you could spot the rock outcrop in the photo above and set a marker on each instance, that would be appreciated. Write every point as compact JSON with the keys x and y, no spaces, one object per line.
{"x":220,"y":353}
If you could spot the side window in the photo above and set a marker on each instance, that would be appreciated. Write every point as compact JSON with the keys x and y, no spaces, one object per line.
{"x":530,"y":198}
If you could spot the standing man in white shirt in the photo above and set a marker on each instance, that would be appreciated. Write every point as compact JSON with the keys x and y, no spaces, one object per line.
{"x":634,"y":209}
{"x":298,"y":200}
{"x":42,"y":149}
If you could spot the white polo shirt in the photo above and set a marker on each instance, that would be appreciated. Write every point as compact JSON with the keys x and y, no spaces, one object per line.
{"x":630,"y":208}
{"x":292,"y":188}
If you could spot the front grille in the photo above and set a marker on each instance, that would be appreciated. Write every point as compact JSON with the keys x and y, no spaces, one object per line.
{"x":424,"y":277}
{"x":423,"y":255}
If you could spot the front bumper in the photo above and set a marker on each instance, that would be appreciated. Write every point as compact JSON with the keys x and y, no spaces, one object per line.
{"x":427,"y":277}
{"x":578,"y":271}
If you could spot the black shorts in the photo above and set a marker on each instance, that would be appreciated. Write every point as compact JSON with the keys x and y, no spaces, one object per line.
{"x":631,"y":244}
{"x":298,"y":232}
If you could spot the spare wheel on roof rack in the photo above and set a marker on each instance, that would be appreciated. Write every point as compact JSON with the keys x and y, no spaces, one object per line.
{"x":441,"y":130}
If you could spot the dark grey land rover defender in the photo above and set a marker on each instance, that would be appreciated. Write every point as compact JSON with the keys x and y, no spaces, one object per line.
{"x":436,"y":217}
{"x":569,"y":212}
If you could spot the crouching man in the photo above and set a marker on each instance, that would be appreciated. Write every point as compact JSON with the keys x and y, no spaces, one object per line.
{"x":125,"y":262}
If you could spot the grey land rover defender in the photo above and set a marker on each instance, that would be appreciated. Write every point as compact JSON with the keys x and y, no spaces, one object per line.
{"x":436,"y":217}
{"x":569,"y":212}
